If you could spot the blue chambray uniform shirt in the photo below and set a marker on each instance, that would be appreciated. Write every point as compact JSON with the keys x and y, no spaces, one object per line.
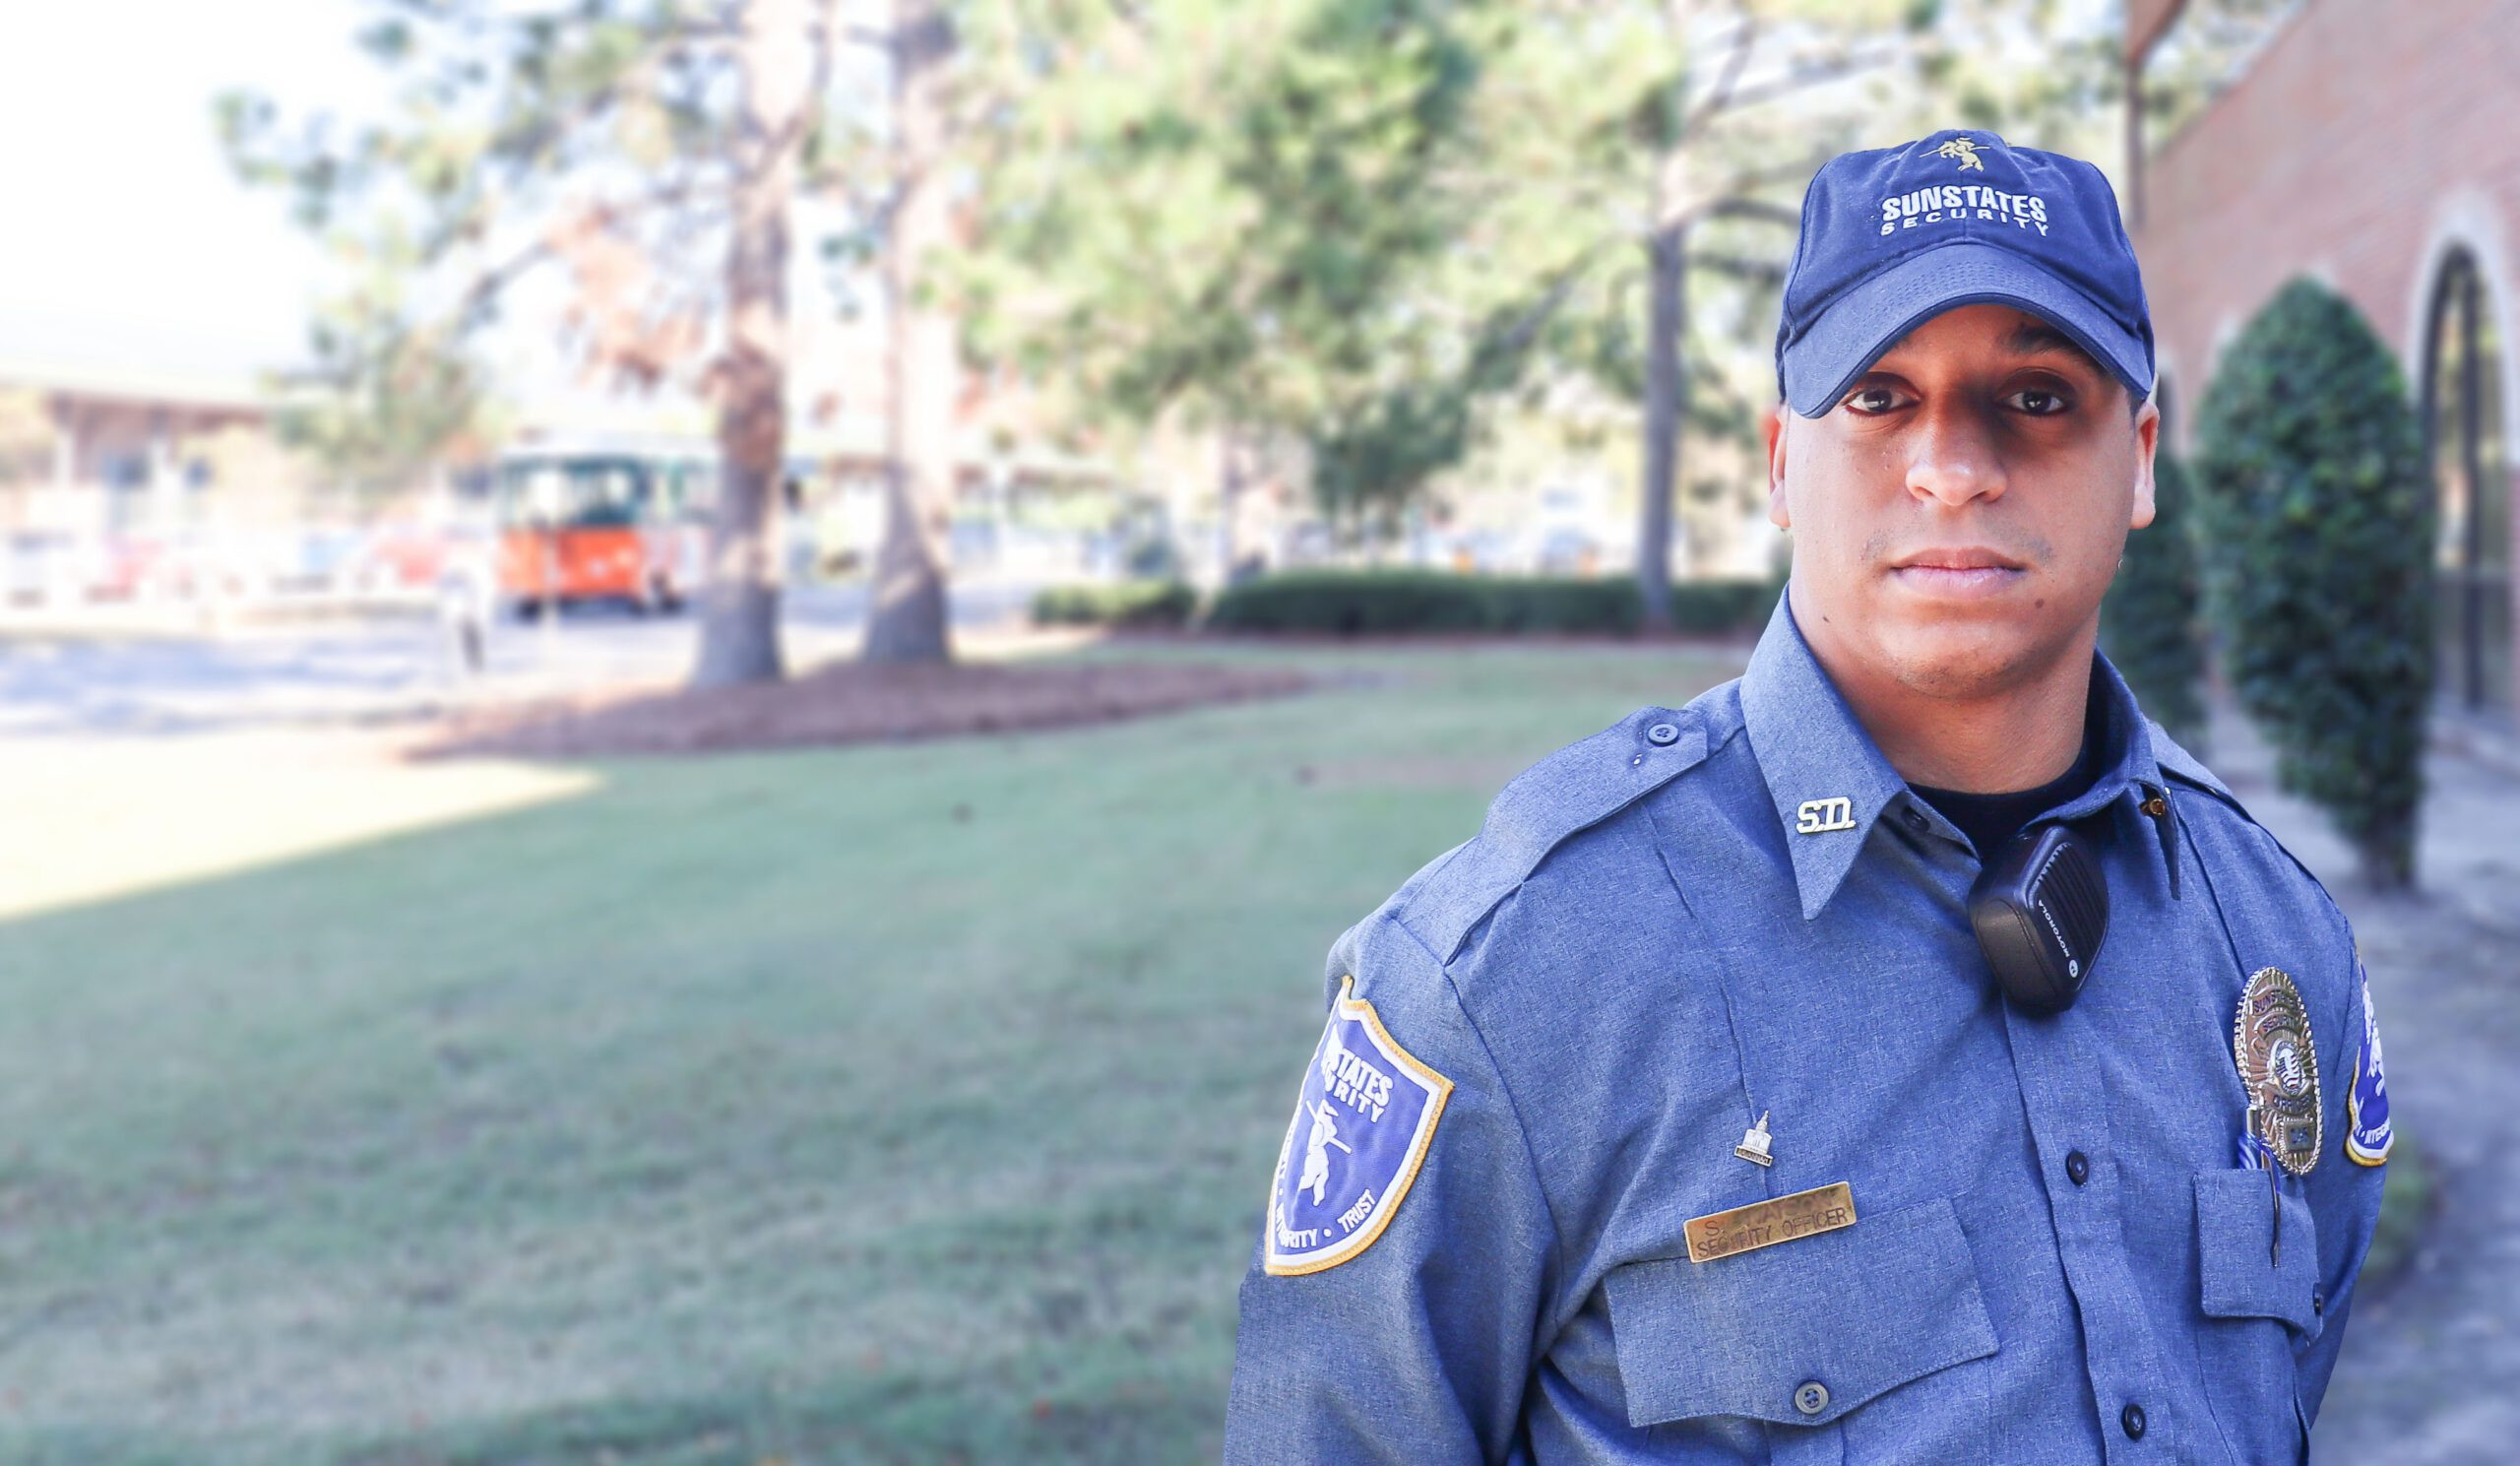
{"x":2057,"y":1256}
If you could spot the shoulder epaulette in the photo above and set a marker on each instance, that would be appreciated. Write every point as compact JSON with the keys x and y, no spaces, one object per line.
{"x":2180,"y":764}
{"x":1571,"y":791}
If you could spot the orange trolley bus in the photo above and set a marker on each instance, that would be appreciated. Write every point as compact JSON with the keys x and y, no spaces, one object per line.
{"x":600,"y":525}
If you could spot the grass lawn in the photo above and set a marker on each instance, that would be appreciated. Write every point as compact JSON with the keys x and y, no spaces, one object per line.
{"x":902,"y":1103}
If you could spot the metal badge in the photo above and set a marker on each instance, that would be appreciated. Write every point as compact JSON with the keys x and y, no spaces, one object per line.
{"x":1755,"y":1143}
{"x":2279,"y":1068}
{"x":1764,"y":1224}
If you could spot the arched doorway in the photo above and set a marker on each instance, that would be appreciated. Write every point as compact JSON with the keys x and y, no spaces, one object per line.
{"x":2464,"y":442}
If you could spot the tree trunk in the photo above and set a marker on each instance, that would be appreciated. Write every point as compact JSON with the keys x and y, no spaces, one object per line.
{"x":2386,"y":852}
{"x":906,"y":621}
{"x":1665,"y":399}
{"x":1229,"y":485}
{"x":739,"y":607}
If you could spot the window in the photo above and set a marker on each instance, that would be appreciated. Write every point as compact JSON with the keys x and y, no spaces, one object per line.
{"x":2464,"y":439}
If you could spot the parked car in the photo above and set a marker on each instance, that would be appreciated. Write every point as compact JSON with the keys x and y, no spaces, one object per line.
{"x":1565,"y":550}
{"x":50,"y":567}
{"x":393,"y":558}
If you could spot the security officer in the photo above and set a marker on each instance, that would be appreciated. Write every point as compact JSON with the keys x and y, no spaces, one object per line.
{"x":1905,"y":1052}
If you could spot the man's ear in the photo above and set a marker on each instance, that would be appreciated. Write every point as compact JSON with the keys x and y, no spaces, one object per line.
{"x":2148,"y":427}
{"x":1781,"y":514}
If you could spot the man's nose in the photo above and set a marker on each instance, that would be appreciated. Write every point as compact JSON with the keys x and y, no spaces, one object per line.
{"x":1952,"y":457}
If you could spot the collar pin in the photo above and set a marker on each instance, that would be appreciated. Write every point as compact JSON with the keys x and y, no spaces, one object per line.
{"x":1755,"y":1143}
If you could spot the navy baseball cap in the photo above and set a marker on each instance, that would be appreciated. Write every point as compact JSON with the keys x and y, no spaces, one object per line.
{"x":1895,"y":236}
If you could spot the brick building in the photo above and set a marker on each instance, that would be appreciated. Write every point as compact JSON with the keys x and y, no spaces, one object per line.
{"x":2368,"y":144}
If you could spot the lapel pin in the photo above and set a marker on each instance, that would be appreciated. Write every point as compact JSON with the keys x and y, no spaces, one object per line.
{"x":1755,"y":1143}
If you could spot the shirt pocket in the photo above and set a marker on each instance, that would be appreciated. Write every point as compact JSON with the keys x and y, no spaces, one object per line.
{"x":1858,"y":1312}
{"x":2259,"y":1308}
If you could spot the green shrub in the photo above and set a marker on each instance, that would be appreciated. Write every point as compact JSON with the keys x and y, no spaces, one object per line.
{"x":1563,"y":606}
{"x":2408,"y":1194}
{"x":2150,"y":624}
{"x":1129,"y":602}
{"x":1357,"y":603}
{"x":2319,"y":534}
{"x":1352,"y":603}
{"x":1715,"y":607}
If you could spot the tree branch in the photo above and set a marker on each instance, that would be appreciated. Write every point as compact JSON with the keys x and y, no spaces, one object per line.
{"x":809,"y":114}
{"x":486,"y":286}
{"x":1734,"y":201}
{"x":1745,"y":41}
{"x":1739,"y":267}
{"x":1759,"y":209}
{"x":1515,"y":338}
{"x":1811,"y":74}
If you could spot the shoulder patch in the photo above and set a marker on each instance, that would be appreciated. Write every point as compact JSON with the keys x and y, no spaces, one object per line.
{"x":2368,"y":1136}
{"x":1571,"y":791}
{"x":1363,"y":1120}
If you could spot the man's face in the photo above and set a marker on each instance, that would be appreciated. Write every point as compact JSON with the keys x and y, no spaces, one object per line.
{"x":1958,"y":513}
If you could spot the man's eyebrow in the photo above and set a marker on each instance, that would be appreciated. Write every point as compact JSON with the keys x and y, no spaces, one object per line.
{"x":2028,"y":337}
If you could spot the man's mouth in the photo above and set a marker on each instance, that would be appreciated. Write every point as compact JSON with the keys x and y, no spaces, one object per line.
{"x":1958,"y":574}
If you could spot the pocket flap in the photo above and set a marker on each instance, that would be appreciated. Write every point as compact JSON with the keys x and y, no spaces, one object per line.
{"x":1858,"y":1311}
{"x":2239,"y":1273}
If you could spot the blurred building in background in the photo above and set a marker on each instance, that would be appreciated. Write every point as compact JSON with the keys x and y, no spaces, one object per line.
{"x":2368,"y":144}
{"x":122,"y":481}
{"x":98,"y":449}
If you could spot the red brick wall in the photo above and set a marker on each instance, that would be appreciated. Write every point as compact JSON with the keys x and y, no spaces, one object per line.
{"x":2147,"y":20}
{"x":2367,"y":137}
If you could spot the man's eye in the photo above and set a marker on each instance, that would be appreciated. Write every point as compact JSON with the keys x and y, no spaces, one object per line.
{"x":1872,"y":401}
{"x":2039,"y":403}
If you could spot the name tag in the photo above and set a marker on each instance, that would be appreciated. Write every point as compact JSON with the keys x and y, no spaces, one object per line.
{"x":1764,"y":1224}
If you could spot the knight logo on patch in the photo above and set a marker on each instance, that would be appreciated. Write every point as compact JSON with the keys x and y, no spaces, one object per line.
{"x":1963,"y":153}
{"x":2366,"y":1102}
{"x":1363,"y":1125}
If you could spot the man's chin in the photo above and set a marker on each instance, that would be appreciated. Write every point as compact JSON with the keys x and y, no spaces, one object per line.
{"x":1973,"y":659}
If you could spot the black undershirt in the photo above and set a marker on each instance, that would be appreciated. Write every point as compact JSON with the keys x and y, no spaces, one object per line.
{"x":1990,"y":820}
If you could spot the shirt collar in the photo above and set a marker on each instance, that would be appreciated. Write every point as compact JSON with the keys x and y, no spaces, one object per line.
{"x":1830,"y":782}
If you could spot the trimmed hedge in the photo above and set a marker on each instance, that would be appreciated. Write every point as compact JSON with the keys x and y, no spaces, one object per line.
{"x":2152,"y":624}
{"x":1129,"y":602}
{"x":1713,"y":606}
{"x":2319,"y":527}
{"x":1361,"y":602}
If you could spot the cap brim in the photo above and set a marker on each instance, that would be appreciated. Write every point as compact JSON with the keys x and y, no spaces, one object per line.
{"x":1854,"y":329}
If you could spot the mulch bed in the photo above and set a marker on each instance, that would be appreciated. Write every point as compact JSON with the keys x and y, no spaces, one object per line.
{"x":851,"y":702}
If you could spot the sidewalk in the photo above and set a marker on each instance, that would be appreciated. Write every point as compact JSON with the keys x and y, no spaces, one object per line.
{"x":2430,"y":1370}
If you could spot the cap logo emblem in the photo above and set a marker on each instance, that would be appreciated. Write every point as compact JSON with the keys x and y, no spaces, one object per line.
{"x":1964,"y":152}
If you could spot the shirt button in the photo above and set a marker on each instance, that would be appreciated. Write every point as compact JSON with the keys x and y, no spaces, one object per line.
{"x":1915,"y":821}
{"x":2133,"y":1420}
{"x":2077,"y":1167}
{"x":2318,"y":1301}
{"x":1662,"y":735}
{"x":1811,"y":1397}
{"x":2157,"y":806}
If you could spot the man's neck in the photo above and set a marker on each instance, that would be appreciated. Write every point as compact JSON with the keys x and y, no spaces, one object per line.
{"x":2021,"y":738}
